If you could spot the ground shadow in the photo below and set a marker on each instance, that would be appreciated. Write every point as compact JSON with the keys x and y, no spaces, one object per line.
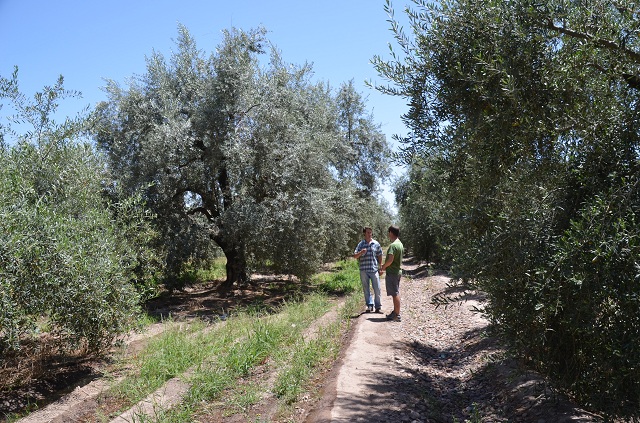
{"x":58,"y":377}
{"x":499,"y":390}
{"x":422,"y":269}
{"x":214,"y":300}
{"x":381,"y":318}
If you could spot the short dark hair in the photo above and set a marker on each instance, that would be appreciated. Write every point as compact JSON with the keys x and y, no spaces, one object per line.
{"x":394,"y":230}
{"x":365,"y":229}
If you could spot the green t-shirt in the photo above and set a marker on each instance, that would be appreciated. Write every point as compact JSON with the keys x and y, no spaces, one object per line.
{"x":397,"y":249}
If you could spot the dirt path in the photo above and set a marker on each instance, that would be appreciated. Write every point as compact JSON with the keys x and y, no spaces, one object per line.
{"x":359,"y":391}
{"x":435,"y":366}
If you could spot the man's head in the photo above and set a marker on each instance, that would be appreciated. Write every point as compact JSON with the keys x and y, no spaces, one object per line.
{"x":394,"y":232}
{"x":367,"y":232}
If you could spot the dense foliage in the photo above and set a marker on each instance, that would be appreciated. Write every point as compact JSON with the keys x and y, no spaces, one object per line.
{"x":70,"y":260}
{"x":524,"y":167}
{"x":253,"y":157}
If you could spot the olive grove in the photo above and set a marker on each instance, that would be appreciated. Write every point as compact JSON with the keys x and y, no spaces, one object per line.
{"x":245,"y":153}
{"x":73,"y":263}
{"x":524,"y":174}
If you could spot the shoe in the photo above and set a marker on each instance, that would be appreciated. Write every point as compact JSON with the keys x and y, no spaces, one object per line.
{"x":378,"y":310}
{"x":369,"y":309}
{"x":394,"y":317}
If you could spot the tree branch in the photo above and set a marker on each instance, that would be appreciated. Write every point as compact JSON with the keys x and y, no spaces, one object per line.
{"x":242,"y":116}
{"x":202,"y":210}
{"x":632,"y":80}
{"x":608,"y":44}
{"x":623,"y":8}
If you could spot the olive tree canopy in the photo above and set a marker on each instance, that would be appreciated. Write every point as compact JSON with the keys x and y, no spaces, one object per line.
{"x":239,"y":152}
{"x":525,"y":149}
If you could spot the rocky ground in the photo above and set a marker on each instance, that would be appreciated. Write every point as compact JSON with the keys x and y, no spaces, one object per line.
{"x":436,"y":365}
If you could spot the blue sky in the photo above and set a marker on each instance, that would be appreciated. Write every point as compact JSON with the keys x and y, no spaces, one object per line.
{"x":89,"y":41}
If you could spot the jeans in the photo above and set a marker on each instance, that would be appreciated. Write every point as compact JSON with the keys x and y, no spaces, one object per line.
{"x":365,"y":277}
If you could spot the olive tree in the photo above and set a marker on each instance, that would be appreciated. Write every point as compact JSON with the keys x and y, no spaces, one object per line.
{"x":235,"y":151}
{"x":527,"y":114}
{"x":363,"y":156}
{"x":70,"y":259}
{"x":360,"y":162}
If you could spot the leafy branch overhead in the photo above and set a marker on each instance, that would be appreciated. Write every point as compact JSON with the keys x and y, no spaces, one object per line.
{"x":524,"y":162}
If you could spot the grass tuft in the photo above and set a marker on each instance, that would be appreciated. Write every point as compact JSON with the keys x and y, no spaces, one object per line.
{"x":343,"y":280}
{"x":222,"y":358}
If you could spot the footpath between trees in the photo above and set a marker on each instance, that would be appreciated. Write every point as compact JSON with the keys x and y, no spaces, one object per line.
{"x":437,"y":365}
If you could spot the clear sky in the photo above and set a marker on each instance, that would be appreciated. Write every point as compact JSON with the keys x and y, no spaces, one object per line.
{"x":88,"y":41}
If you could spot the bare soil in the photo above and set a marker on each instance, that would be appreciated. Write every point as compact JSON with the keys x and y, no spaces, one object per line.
{"x":436,"y":365}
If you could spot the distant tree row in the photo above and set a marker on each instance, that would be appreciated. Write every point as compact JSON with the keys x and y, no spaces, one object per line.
{"x":524,"y":175}
{"x":201,"y":154}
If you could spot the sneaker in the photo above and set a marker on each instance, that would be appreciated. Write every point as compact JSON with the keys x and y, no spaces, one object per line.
{"x":378,"y":310}
{"x":369,"y":309}
{"x":394,"y":317}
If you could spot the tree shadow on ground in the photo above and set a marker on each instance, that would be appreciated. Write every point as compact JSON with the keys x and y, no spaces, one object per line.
{"x":56,"y":377}
{"x":459,"y":294}
{"x":499,"y":390}
{"x":213,"y":300}
{"x":422,"y":269}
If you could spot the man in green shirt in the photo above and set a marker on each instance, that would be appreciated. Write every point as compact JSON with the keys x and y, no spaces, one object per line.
{"x":394,"y":272}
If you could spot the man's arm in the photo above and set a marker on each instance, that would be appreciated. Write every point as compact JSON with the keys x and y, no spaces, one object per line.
{"x":387,"y":262}
{"x":359,"y":253}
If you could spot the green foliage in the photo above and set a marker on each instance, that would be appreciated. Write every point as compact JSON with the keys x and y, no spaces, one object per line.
{"x":256,"y":158}
{"x":68,"y":258}
{"x":596,"y":258}
{"x":343,"y":279}
{"x":524,"y":159}
{"x":215,"y":272}
{"x":363,"y":156}
{"x":423,"y":212}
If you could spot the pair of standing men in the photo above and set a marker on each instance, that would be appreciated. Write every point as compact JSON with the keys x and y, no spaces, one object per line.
{"x":369,"y":254}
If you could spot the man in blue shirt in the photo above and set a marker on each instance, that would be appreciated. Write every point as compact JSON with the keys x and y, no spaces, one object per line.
{"x":369,"y":254}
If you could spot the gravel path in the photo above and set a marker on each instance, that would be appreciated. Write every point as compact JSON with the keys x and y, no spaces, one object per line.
{"x":437,"y":365}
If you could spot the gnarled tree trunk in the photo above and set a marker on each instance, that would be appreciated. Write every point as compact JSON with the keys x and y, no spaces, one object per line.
{"x":236,"y":263}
